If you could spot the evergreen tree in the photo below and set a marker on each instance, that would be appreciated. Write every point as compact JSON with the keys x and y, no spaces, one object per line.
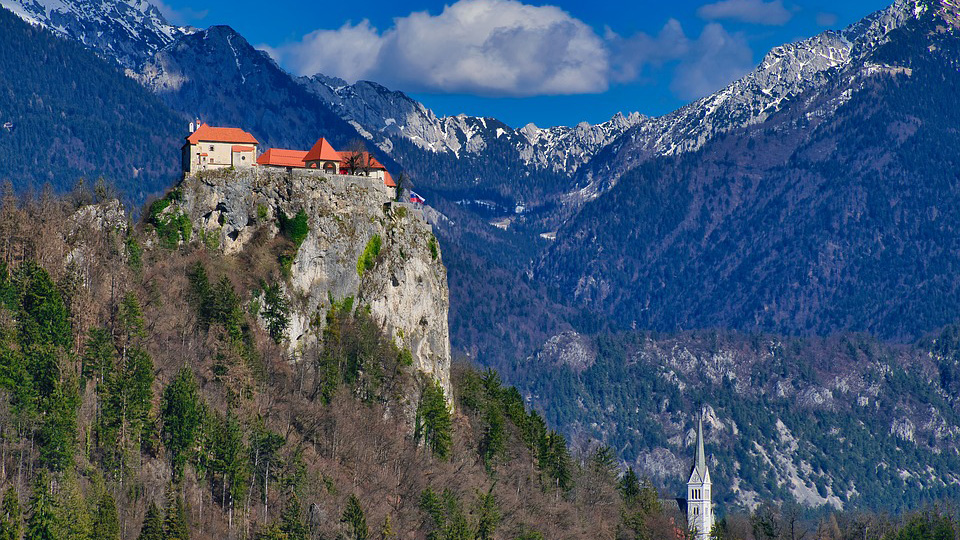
{"x":11,"y":518}
{"x":42,"y":523}
{"x":604,"y":462}
{"x":230,"y":459}
{"x":494,"y":438}
{"x":386,"y":529}
{"x":559,"y":464}
{"x":630,"y":487}
{"x":488,"y":516}
{"x":181,"y":417}
{"x":106,"y":525}
{"x":152,"y":528}
{"x":98,"y":355}
{"x":354,"y":517}
{"x":291,"y":520}
{"x":276,"y":312}
{"x":175,"y":525}
{"x":434,"y":421}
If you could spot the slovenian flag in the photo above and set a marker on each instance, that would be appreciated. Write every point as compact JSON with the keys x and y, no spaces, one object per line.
{"x":414,"y":198}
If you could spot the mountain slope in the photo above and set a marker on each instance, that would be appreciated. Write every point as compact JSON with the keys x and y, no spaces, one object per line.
{"x":385,"y":116}
{"x":75,"y":115}
{"x":844,"y":421}
{"x":837,"y":212}
{"x":218,"y":76}
{"x":128,"y":31}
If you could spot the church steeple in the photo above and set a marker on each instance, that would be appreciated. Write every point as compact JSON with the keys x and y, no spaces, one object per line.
{"x":699,"y":505}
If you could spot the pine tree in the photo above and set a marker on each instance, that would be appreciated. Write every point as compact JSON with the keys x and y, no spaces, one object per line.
{"x":559,"y":464}
{"x":434,"y":421}
{"x":106,"y":525}
{"x":386,"y":529}
{"x":276,"y":312}
{"x":291,"y":522}
{"x":230,"y":460}
{"x":355,"y":519}
{"x":11,"y":518}
{"x":98,"y":355}
{"x":493,"y":441}
{"x":488,"y":516}
{"x":181,"y":418}
{"x":604,"y":462}
{"x":42,"y":524}
{"x":175,"y":525}
{"x":152,"y":528}
{"x":630,"y":487}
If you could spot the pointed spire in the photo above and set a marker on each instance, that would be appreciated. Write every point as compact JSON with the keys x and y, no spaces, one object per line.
{"x":701,"y":463}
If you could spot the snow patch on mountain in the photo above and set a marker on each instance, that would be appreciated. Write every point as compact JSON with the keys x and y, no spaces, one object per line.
{"x":128,"y":31}
{"x":386,"y":115}
{"x":798,"y":71}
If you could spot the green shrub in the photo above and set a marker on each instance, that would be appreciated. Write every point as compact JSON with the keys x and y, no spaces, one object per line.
{"x":261,"y":212}
{"x":369,"y":256}
{"x":294,"y":229}
{"x":434,"y":250}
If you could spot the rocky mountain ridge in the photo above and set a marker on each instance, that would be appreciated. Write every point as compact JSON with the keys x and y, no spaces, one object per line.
{"x":382,"y":115}
{"x":128,"y":31}
{"x":804,"y":71}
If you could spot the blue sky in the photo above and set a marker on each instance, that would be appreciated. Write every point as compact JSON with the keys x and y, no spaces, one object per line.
{"x":550,"y":63}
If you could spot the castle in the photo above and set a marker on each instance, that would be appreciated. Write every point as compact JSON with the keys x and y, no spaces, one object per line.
{"x":699,"y":503}
{"x":208,"y":148}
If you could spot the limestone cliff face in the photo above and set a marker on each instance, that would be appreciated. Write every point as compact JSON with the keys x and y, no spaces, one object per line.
{"x":405,"y":288}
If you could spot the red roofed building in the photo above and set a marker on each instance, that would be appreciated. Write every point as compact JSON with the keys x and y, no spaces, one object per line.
{"x":323,"y":156}
{"x":209,"y":147}
{"x":279,"y":157}
{"x":361,"y":164}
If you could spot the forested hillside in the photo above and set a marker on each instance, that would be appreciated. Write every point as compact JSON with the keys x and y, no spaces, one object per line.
{"x":72,"y":115}
{"x":845,"y":421}
{"x":145,"y":393}
{"x":837,"y":213}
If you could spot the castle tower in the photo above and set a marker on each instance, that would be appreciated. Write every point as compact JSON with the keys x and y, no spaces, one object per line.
{"x":699,"y":505}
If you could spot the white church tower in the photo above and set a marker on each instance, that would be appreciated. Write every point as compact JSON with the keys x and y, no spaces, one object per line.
{"x":699,"y":505}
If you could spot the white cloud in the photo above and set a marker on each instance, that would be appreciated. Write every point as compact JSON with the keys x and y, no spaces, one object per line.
{"x":507,"y":48}
{"x":749,"y":11}
{"x":485,"y":47}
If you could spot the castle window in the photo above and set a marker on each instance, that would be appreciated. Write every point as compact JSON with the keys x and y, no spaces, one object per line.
{"x":211,"y":148}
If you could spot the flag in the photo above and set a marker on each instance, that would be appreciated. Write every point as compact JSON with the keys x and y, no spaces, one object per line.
{"x":414,"y":198}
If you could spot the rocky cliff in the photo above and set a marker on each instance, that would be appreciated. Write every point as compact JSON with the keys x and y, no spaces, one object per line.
{"x":403,"y":284}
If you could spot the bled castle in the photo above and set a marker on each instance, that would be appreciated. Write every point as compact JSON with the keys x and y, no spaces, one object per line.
{"x":209,"y":147}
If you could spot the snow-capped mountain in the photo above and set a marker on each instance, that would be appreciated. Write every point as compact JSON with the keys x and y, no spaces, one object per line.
{"x":129,"y":31}
{"x":804,"y":71}
{"x":383,"y":115}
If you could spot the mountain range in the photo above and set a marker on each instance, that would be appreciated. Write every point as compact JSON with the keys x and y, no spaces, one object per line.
{"x":816,"y":195}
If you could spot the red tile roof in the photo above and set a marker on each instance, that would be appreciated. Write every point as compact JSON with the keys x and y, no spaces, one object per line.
{"x":388,"y":180}
{"x":322,"y":151}
{"x":220,"y":134}
{"x":242,"y":149}
{"x":374,"y":164}
{"x":282,"y":158}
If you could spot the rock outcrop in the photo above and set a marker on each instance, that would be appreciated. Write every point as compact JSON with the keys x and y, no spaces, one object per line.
{"x":404,"y":285}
